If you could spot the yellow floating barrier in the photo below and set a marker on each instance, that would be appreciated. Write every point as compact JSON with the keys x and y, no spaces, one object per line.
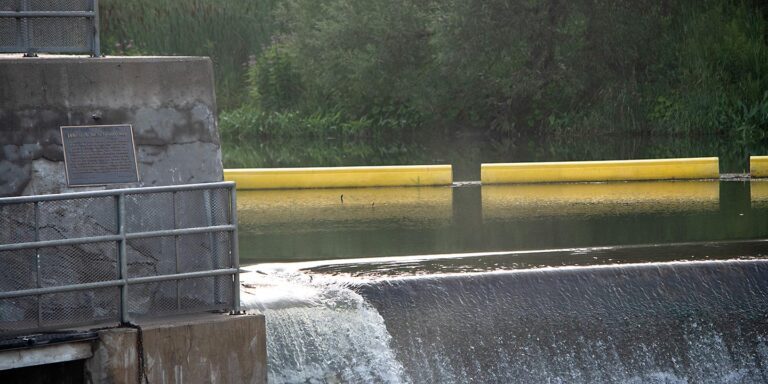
{"x":758,"y":166}
{"x":536,"y":200}
{"x":340,"y":177}
{"x":585,"y":171}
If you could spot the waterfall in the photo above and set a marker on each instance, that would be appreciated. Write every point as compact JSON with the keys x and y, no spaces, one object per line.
{"x":320,"y":332}
{"x":673,"y":322}
{"x":690,"y":322}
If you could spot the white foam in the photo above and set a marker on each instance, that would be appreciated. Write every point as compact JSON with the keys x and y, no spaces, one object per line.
{"x":319,"y":331}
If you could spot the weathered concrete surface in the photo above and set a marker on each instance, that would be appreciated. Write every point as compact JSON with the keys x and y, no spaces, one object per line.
{"x":169,"y":101}
{"x":49,"y":354}
{"x":212,"y":349}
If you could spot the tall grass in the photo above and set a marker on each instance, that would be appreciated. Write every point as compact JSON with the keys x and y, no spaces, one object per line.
{"x":714,"y":77}
{"x":232,"y":32}
{"x":379,"y":69}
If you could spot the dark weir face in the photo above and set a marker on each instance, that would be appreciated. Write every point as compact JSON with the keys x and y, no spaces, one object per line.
{"x":692,"y":322}
{"x":493,"y":319}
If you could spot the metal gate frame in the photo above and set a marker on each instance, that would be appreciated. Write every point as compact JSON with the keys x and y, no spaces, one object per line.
{"x":23,"y":34}
{"x":122,"y":237}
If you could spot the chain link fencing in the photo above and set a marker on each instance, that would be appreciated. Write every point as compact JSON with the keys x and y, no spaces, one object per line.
{"x":50,"y":26}
{"x":117,"y":256}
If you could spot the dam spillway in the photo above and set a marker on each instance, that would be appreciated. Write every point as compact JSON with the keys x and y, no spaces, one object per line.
{"x":651,"y":322}
{"x":664,"y":282}
{"x":694,"y":322}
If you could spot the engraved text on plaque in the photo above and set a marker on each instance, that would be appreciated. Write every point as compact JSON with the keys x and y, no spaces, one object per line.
{"x":99,"y":154}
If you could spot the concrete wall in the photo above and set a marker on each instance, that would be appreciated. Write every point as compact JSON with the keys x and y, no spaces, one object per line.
{"x":169,"y":101}
{"x":212,"y":349}
{"x":171,"y":104}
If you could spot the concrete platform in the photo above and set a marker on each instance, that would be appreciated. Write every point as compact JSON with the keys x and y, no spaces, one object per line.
{"x":200,"y":349}
{"x":49,"y":354}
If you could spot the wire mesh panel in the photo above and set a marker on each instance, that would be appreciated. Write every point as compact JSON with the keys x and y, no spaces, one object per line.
{"x":202,"y":208}
{"x":153,"y":299}
{"x":149,"y":212}
{"x":79,"y":307}
{"x":9,"y":33}
{"x":59,"y":5}
{"x":152,"y":256}
{"x":77,"y":264}
{"x":191,"y":252}
{"x":19,"y":270}
{"x":60,"y":34}
{"x":18,"y":314}
{"x":17,"y":223}
{"x":95,"y":217}
{"x":106,"y":256}
{"x":54,"y":26}
{"x":10,"y":5}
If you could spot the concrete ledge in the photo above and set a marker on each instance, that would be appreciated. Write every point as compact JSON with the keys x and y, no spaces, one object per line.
{"x":339,"y":177}
{"x":584,"y":171}
{"x":208,"y":349}
{"x":49,"y":354}
{"x":758,"y":166}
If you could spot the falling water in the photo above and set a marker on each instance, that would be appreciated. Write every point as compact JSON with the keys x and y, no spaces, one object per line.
{"x":321,"y":332}
{"x":678,"y":322}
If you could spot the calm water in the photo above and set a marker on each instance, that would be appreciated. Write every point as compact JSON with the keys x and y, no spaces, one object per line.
{"x":302,"y":225}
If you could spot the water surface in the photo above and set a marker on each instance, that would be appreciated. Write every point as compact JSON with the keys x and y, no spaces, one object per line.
{"x":301,"y":225}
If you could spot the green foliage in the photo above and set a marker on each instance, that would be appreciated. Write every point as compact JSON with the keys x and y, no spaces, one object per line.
{"x":749,"y":122}
{"x":274,"y":82}
{"x":232,"y":32}
{"x":508,"y":68}
{"x":250,"y":123}
{"x":526,"y":67}
{"x":295,"y":152}
{"x":716,"y":75}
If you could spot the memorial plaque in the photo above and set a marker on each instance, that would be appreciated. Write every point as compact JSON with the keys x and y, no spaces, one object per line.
{"x":99,"y":154}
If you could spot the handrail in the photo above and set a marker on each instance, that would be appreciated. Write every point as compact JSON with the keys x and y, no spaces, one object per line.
{"x":222,"y":209}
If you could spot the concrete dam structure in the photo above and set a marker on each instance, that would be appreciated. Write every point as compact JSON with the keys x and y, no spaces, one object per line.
{"x":145,"y":270}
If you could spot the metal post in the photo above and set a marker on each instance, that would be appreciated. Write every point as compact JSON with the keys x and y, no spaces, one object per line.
{"x":96,"y":48}
{"x":24,"y":25}
{"x":209,"y":214}
{"x":235,"y":255}
{"x":124,"y":318}
{"x":176,"y":253}
{"x":37,"y":265}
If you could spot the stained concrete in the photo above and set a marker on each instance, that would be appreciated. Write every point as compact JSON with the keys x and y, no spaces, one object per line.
{"x":171,"y":104}
{"x":208,"y":349}
{"x":169,"y":101}
{"x":48,"y":354}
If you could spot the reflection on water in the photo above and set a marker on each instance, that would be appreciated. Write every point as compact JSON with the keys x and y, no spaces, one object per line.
{"x":530,"y":200}
{"x":354,"y":223}
{"x":310,"y":209}
{"x":759,"y":193}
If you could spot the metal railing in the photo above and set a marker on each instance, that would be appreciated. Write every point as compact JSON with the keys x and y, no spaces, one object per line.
{"x":62,"y":26}
{"x":97,"y":257}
